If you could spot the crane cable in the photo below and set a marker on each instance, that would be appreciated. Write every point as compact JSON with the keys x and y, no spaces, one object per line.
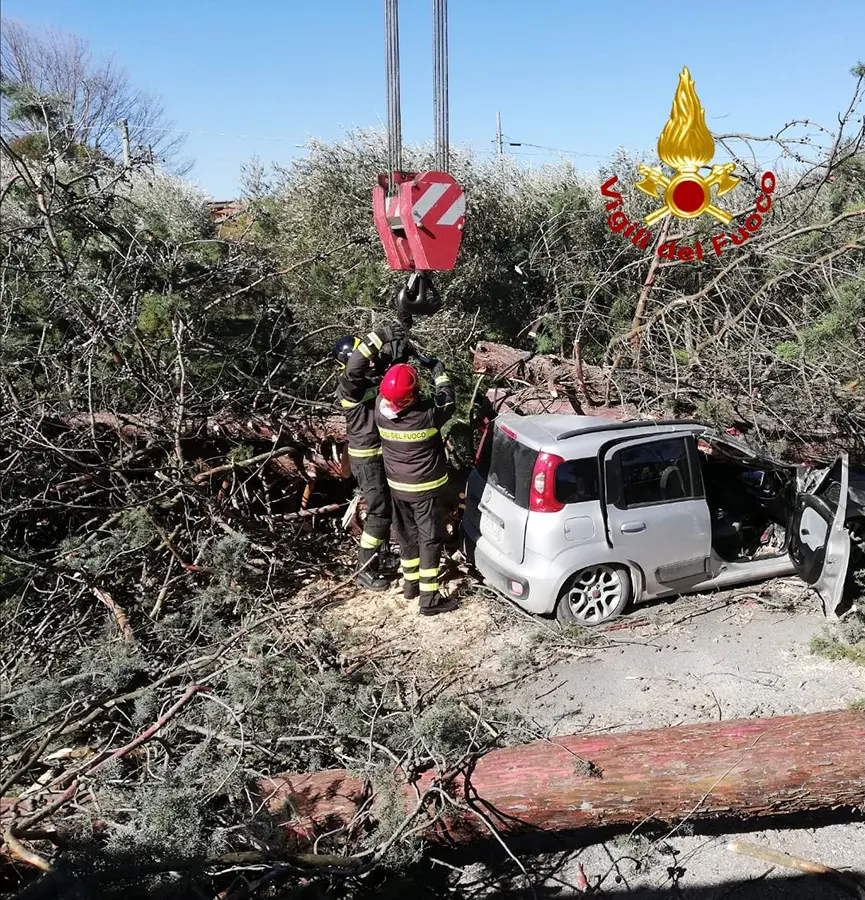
{"x":394,"y":121}
{"x":440,"y":83}
{"x":440,"y":86}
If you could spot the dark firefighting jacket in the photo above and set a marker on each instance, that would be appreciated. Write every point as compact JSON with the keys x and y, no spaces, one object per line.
{"x":414,"y":453}
{"x":356,"y":394}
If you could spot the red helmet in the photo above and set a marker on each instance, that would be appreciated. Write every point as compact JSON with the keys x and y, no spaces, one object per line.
{"x":400,"y":385}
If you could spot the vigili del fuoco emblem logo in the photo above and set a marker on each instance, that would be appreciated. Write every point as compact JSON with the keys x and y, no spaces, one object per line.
{"x":686,"y":146}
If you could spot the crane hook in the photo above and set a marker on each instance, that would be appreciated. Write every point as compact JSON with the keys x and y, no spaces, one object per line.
{"x":420,"y":296}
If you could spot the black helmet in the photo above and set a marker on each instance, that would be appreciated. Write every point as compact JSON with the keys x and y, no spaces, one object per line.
{"x":343,"y":348}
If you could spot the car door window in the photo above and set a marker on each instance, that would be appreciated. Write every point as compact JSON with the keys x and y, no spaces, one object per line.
{"x":657,"y":472}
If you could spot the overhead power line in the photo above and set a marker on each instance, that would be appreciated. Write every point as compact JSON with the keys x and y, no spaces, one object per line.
{"x":566,"y":152}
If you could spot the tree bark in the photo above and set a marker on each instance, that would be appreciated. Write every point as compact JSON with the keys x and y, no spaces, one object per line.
{"x":732,"y":770}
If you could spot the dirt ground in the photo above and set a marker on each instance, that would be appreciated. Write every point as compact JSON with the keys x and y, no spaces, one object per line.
{"x":696,"y":659}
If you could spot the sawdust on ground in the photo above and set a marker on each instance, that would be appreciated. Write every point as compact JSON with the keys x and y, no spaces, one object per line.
{"x":472,"y":642}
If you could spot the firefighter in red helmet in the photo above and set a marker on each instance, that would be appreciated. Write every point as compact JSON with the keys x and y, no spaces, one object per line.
{"x":362,"y":363}
{"x":416,"y":468}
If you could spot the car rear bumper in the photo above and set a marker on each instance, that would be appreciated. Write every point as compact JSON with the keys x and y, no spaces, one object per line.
{"x":528,"y":584}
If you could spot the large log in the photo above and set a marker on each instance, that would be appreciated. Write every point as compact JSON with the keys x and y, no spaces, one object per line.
{"x":550,"y":384}
{"x":318,"y":438}
{"x":734,"y":770}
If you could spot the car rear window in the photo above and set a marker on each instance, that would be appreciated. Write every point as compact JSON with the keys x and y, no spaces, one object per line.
{"x":510,"y":467}
{"x":577,"y":481}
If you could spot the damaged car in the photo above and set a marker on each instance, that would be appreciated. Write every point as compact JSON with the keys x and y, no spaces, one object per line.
{"x":581,"y":516}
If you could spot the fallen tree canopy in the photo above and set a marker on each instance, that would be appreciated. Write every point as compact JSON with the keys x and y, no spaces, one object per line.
{"x":721,"y":770}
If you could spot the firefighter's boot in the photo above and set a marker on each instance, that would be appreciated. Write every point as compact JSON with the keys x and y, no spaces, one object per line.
{"x":369,"y":577}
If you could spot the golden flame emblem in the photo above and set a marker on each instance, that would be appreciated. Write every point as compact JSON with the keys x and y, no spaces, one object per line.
{"x":686,"y":145}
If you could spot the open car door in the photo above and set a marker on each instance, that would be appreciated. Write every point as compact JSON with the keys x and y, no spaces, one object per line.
{"x":819,"y":544}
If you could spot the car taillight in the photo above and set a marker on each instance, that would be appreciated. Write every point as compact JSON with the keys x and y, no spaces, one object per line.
{"x":484,"y":436}
{"x":542,"y":495}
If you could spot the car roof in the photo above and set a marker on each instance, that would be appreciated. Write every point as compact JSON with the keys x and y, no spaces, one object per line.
{"x":565,"y":434}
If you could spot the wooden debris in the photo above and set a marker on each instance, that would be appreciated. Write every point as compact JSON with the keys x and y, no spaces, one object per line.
{"x":850,"y":884}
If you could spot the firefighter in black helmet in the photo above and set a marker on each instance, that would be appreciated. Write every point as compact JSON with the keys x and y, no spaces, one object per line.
{"x":362,"y":364}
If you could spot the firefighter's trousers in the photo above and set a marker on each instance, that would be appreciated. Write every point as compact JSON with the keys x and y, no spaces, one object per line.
{"x":420,"y":527}
{"x":376,"y":529}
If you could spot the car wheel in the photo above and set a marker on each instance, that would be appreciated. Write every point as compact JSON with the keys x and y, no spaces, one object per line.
{"x":594,"y":595}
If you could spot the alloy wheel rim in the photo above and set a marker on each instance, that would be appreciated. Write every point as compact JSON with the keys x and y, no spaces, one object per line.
{"x":595,"y":594}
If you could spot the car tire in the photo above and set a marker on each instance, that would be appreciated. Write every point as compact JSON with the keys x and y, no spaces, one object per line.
{"x":594,"y":595}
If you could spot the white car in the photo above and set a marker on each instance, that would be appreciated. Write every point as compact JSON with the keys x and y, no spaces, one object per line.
{"x":580,"y":516}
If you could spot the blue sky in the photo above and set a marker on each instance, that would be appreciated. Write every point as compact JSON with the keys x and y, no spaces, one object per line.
{"x":260,"y":77}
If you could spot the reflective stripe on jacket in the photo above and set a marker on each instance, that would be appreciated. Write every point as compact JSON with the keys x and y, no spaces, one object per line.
{"x":414,"y":453}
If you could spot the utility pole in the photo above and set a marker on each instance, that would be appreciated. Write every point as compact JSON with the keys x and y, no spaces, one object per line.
{"x":127,"y":154}
{"x":500,"y":139}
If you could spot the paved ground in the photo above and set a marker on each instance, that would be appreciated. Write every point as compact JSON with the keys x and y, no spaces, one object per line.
{"x":741,"y":661}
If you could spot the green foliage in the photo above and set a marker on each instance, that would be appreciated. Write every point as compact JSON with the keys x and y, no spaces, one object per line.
{"x":843,"y":641}
{"x":831,"y":648}
{"x":116,"y":668}
{"x":240,"y":453}
{"x":26,"y":104}
{"x":550,"y":338}
{"x":173,"y":813}
{"x":639,"y":853}
{"x":390,"y":815}
{"x":838,"y":322}
{"x":622,"y":312}
{"x":718,"y":412}
{"x":118,"y":545}
{"x":445,"y":729}
{"x":30,"y":146}
{"x":832,"y":335}
{"x":580,"y":636}
{"x":788,"y":351}
{"x":154,"y":318}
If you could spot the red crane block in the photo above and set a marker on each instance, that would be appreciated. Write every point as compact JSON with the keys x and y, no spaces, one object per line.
{"x":421,"y":225}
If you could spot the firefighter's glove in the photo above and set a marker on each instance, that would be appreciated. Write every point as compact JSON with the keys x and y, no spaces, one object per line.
{"x":438,"y":368}
{"x":395,"y":344}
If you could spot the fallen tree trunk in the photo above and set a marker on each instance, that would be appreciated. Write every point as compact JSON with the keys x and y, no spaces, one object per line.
{"x":734,"y":770}
{"x":554,"y":384}
{"x":720,"y":770}
{"x":316,"y":442}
